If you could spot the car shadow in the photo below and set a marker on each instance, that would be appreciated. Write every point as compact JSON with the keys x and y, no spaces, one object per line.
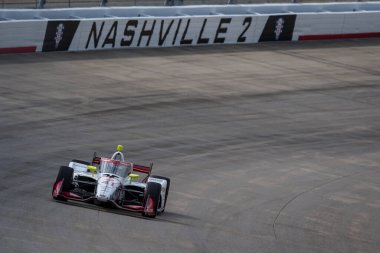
{"x":169,"y":217}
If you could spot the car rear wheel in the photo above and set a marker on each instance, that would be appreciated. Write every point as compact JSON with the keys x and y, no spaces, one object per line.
{"x":167,"y":188}
{"x":65,"y":178}
{"x":151,"y":199}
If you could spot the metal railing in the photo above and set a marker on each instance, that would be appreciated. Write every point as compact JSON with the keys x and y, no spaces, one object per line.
{"x":92,"y":3}
{"x":79,"y":3}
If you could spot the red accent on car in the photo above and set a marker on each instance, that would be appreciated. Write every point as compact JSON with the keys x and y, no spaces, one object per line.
{"x":339,"y":36}
{"x":57,"y":188}
{"x":96,"y":160}
{"x":134,"y":208}
{"x":70,"y":195}
{"x":142,"y":169}
{"x":12,"y":50}
{"x":116,"y":162}
{"x":149,"y":206}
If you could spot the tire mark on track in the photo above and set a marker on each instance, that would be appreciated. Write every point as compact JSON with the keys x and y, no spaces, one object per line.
{"x":26,"y":125}
{"x":331,"y":63}
{"x":303,"y":193}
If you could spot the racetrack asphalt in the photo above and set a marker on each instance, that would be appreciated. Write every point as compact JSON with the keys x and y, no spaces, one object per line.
{"x":271,"y":147}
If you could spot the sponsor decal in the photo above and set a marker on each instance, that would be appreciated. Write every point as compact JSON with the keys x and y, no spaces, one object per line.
{"x":156,"y":180}
{"x":59,"y":35}
{"x":278,"y":28}
{"x":165,"y":32}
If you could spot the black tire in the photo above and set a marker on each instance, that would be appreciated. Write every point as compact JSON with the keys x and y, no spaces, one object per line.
{"x":80,"y":161}
{"x":65,"y":173}
{"x":152,"y":190}
{"x":167,"y":188}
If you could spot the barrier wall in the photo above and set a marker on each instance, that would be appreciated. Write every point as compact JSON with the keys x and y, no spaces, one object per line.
{"x":21,"y":36}
{"x":337,"y":25}
{"x":72,"y":33}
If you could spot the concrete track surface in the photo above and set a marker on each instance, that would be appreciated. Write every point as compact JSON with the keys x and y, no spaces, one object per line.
{"x":270,"y":147}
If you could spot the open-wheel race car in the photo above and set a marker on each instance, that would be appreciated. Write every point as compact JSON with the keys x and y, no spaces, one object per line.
{"x":113,"y":181}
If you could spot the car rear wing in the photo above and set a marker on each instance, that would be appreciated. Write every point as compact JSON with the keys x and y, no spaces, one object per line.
{"x":142,"y":168}
{"x":96,"y":159}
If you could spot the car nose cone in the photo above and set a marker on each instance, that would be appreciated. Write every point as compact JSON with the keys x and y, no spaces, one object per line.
{"x":106,"y":188}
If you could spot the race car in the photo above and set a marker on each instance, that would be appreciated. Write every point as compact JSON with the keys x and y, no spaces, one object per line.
{"x":113,"y":181}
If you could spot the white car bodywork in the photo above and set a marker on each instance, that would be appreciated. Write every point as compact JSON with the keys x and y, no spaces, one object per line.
{"x":109,"y":183}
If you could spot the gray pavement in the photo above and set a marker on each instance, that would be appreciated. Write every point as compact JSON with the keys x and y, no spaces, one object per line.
{"x":270,"y":147}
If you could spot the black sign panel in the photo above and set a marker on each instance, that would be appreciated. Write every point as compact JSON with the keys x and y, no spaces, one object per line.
{"x":278,"y":28}
{"x":59,"y":35}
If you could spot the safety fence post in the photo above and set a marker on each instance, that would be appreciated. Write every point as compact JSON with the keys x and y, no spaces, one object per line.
{"x":41,"y":4}
{"x":173,"y":2}
{"x":103,"y":3}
